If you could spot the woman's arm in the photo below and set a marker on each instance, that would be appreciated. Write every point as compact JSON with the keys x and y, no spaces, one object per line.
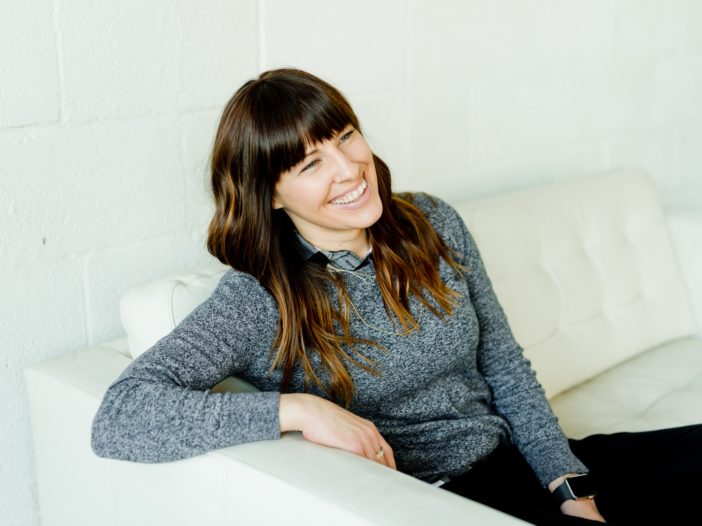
{"x":160,"y":408}
{"x":517,"y":394}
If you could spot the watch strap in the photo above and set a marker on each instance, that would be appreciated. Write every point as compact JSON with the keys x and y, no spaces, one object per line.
{"x":565,"y":491}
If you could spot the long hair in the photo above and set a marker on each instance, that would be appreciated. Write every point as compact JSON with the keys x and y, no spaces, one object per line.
{"x":264,"y":131}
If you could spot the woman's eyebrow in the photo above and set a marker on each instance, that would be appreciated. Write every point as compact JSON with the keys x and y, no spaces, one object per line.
{"x":315,"y":150}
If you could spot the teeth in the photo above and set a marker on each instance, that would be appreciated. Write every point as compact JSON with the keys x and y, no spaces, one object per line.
{"x":350,"y":198}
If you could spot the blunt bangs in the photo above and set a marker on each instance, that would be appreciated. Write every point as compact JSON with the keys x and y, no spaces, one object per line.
{"x":294,"y":114}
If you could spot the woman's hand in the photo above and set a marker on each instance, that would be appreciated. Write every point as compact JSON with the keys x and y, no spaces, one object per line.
{"x":584,"y":508}
{"x":324,"y":422}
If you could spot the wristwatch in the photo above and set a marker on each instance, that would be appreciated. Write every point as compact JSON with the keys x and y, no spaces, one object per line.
{"x":575,"y":487}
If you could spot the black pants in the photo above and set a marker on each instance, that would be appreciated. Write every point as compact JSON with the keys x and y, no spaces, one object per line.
{"x":651,"y":477}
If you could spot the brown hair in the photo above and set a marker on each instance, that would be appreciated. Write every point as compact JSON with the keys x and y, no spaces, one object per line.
{"x":264,"y":131}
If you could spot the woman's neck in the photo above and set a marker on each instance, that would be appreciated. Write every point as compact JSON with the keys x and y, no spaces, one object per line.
{"x":358,"y":243}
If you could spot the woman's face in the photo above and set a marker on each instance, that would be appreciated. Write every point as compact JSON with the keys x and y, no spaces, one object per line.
{"x":332,"y":195}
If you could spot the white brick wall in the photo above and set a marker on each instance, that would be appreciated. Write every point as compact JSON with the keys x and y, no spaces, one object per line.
{"x":359,"y":47}
{"x":29,"y":85}
{"x":197,"y":138}
{"x":108,"y":109}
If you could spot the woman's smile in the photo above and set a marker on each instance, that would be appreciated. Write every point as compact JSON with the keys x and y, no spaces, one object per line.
{"x":353,"y":199}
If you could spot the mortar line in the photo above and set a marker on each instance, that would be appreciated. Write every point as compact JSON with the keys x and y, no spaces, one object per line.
{"x":407,"y":147}
{"x":87,"y":304}
{"x":261,"y":36}
{"x":59,"y":59}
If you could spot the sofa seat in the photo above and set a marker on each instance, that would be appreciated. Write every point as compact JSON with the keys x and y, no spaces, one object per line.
{"x":659,"y":388}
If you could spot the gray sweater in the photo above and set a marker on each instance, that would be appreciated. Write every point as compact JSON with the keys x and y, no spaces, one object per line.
{"x":446,"y":395}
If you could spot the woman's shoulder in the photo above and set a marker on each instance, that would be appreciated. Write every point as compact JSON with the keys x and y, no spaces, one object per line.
{"x":239,"y":288}
{"x":428,"y":203}
{"x":237,"y":278}
{"x":440,"y":214}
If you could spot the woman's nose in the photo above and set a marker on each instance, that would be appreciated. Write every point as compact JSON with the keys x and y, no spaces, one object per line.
{"x":344,"y":168}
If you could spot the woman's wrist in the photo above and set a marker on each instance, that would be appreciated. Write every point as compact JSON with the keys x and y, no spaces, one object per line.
{"x":557,"y":482}
{"x":583,"y":507}
{"x":292,"y":411}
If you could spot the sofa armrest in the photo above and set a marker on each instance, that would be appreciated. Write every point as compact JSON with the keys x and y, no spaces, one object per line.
{"x":290,"y":479}
{"x":686,"y":230}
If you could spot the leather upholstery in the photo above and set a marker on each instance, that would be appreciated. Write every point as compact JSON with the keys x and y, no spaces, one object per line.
{"x":585,"y":271}
{"x":589,"y":280}
{"x":655,"y":389}
{"x":151,"y":311}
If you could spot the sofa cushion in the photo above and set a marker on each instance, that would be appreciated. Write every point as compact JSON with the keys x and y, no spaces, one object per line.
{"x":585,"y":270}
{"x":151,"y":311}
{"x":686,"y":230}
{"x":656,"y":389}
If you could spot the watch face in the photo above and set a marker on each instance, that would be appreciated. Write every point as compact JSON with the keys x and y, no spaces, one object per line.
{"x":582,"y":486}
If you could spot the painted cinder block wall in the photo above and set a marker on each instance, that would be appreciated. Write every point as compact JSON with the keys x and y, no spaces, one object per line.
{"x":107,"y":112}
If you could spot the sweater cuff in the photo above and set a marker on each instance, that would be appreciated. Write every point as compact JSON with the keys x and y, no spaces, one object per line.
{"x":551,"y":459}
{"x":251,"y":417}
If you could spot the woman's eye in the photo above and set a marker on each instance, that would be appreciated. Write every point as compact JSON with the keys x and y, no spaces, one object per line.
{"x":347,"y":135}
{"x":311,"y":165}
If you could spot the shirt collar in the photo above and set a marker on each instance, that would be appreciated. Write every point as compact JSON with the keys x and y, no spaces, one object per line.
{"x":343,"y":259}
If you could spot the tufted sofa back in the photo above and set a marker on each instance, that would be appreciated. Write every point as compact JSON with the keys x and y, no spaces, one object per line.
{"x":584,"y":269}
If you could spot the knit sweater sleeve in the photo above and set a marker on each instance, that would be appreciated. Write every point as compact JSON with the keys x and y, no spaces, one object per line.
{"x":161,"y":409}
{"x":517,"y":394}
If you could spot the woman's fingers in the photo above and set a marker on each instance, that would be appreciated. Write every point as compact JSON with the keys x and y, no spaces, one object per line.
{"x":377,"y":453}
{"x":381,"y":451}
{"x":389,"y":456}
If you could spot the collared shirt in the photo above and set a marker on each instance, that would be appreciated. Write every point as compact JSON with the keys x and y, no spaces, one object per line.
{"x":343,"y":259}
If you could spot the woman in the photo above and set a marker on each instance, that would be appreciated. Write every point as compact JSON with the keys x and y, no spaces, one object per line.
{"x":365,"y":318}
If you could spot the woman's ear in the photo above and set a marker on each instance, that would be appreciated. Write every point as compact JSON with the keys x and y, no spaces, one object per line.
{"x":276,"y":204}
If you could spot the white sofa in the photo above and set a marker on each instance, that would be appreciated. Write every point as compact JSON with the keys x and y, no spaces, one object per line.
{"x":588,"y":275}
